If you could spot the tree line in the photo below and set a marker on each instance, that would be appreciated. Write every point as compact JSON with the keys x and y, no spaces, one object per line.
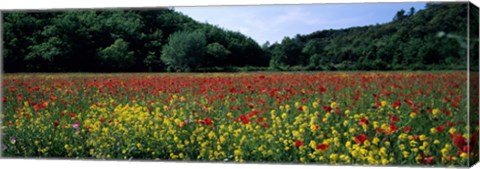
{"x":165,"y":40}
{"x":411,"y":41}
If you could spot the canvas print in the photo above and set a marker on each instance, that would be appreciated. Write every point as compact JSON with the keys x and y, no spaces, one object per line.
{"x":328,"y":84}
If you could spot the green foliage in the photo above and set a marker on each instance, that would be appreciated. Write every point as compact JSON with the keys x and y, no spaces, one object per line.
{"x":316,"y":61}
{"x":141,"y":40}
{"x":474,"y":38}
{"x":51,"y":51}
{"x":153,"y":62}
{"x":400,"y":15}
{"x":117,"y":57}
{"x":312,"y":47}
{"x":408,"y":42}
{"x":184,"y":51}
{"x":87,"y":40}
{"x":19,"y":33}
{"x":289,"y":53}
{"x":216,"y":52}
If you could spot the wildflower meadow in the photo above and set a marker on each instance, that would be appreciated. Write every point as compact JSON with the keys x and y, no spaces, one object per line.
{"x":365,"y":118}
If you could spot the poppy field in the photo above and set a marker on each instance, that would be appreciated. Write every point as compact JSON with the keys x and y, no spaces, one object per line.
{"x":365,"y":118}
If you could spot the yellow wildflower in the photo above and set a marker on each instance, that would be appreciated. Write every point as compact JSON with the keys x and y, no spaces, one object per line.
{"x":333,"y":105}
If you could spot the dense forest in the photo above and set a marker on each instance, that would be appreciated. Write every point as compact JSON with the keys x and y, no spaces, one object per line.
{"x":115,"y":40}
{"x":430,"y":39}
{"x":166,"y":40}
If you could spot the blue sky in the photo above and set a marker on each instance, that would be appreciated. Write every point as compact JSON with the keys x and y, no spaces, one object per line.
{"x":273,"y":22}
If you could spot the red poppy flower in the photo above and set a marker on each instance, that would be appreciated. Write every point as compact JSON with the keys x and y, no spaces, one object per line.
{"x":394,"y":119}
{"x":455,"y":104}
{"x":327,"y":108}
{"x":446,"y":99}
{"x":428,"y":160}
{"x":393,"y":128}
{"x":407,"y":129}
{"x":244,"y":119}
{"x":72,"y":115}
{"x":40,"y":106}
{"x":19,"y":97}
{"x":322,"y":147}
{"x":53,"y":98}
{"x":13,"y":89}
{"x":322,"y":89}
{"x":474,"y":138}
{"x":260,"y":119}
{"x":298,"y":143}
{"x":207,"y":121}
{"x":409,"y":102}
{"x":467,"y":148}
{"x":272,"y":92}
{"x":55,"y":123}
{"x":34,"y":89}
{"x":232,"y":90}
{"x":440,"y":128}
{"x":265,"y":125}
{"x":360,"y":138}
{"x":396,"y":104}
{"x":36,"y":107}
{"x":458,"y":140}
{"x":363,"y":121}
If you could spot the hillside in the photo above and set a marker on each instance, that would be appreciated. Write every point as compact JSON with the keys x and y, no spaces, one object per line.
{"x":115,"y":40}
{"x":166,"y":40}
{"x":410,"y":41}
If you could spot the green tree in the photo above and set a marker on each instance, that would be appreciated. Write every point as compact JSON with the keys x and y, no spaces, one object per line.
{"x":20,"y":31}
{"x":117,"y":57}
{"x":312,"y":47}
{"x":411,"y":12}
{"x":153,"y":62}
{"x":278,"y":58}
{"x":47,"y":56}
{"x":216,"y":53}
{"x":400,"y":15}
{"x":288,"y":53}
{"x":184,"y":51}
{"x":71,"y":41}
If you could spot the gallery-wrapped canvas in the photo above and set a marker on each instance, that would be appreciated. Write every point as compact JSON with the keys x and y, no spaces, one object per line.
{"x":376,"y":84}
